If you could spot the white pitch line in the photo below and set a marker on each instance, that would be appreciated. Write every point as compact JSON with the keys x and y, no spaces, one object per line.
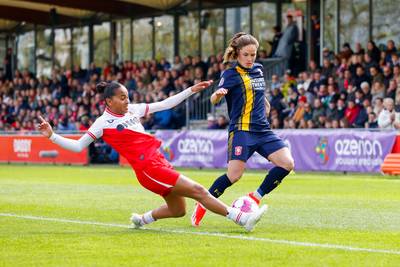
{"x":239,"y":237}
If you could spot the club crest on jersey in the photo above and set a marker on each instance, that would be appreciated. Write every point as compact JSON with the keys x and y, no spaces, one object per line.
{"x":120,"y":127}
{"x":238,"y":150}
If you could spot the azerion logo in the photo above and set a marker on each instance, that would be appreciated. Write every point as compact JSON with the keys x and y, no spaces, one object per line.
{"x":322,"y":150}
{"x":362,"y":152}
{"x":196,"y":150}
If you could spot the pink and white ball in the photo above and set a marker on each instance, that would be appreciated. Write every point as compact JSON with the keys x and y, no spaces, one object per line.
{"x":245,"y":204}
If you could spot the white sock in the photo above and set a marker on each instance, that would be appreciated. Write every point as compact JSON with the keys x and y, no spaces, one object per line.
{"x":257,"y":195}
{"x":237,"y":216}
{"x":147,"y":218}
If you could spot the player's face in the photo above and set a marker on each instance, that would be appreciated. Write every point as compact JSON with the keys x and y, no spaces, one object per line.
{"x":118,"y":103}
{"x":247,"y":55}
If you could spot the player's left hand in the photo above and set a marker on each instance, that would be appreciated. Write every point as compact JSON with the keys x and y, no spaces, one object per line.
{"x":44,"y":127}
{"x":201,"y":86}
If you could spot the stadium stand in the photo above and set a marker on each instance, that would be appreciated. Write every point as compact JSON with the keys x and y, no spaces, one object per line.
{"x":356,"y":89}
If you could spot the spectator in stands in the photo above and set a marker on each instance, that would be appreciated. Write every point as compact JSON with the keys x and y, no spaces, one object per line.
{"x":360,"y":76}
{"x":66,"y":125}
{"x":387,"y":75}
{"x":275,"y":40}
{"x":358,"y":49}
{"x":376,"y":76}
{"x":275,"y":83}
{"x":211,"y":122}
{"x":315,"y":83}
{"x":327,"y":69}
{"x":177,"y":65}
{"x":372,"y":122}
{"x":362,"y":116}
{"x":318,"y":111}
{"x":373,"y":52}
{"x":386,"y":117}
{"x":162,"y":119}
{"x":289,"y":37}
{"x":346,"y":51}
{"x":365,"y":89}
{"x":130,"y":82}
{"x":332,"y":111}
{"x":328,"y":54}
{"x":368,"y":63}
{"x":222,"y":122}
{"x":395,"y":60}
{"x":378,"y":105}
{"x":390,"y":49}
{"x":299,"y":111}
{"x":378,"y":90}
{"x":391,"y":89}
{"x":313,"y":66}
{"x":351,"y":112}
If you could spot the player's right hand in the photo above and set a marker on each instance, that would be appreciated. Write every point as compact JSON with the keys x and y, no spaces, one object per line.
{"x":44,"y":127}
{"x":221,"y":92}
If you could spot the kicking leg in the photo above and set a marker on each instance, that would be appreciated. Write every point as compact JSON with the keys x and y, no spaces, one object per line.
{"x":235,"y":172}
{"x":284,"y":162}
{"x":188,"y":188}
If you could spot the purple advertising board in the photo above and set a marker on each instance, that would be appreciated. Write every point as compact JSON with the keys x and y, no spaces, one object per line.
{"x":312,"y":150}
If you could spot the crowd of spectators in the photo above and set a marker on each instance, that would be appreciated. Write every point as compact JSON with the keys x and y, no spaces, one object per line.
{"x":358,"y":87}
{"x":68,"y":99}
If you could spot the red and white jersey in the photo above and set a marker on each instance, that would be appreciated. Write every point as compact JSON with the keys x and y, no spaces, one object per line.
{"x":126,"y":134}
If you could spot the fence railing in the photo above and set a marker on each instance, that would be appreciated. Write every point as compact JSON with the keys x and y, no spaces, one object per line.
{"x":274,"y":66}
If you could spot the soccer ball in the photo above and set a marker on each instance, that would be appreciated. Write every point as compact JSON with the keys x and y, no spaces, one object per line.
{"x":245,"y":204}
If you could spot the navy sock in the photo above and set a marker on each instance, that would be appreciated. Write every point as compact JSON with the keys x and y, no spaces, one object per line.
{"x":272,"y":180}
{"x":219,"y":186}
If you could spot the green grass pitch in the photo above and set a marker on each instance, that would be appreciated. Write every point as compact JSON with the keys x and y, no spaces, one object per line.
{"x":313,"y":220}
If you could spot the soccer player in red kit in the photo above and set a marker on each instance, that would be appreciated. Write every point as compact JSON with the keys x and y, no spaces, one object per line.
{"x":120,"y":127}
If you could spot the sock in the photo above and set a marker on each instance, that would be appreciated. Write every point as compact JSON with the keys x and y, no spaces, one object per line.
{"x":236,"y":215}
{"x":219,"y":186}
{"x":147,"y":218}
{"x":272,"y":180}
{"x":257,"y":195}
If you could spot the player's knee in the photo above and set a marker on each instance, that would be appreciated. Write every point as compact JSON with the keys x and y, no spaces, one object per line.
{"x":288,"y":164}
{"x":234,"y":176}
{"x":200,"y":191}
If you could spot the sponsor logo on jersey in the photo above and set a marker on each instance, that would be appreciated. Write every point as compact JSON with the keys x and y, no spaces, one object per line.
{"x":221,"y":82}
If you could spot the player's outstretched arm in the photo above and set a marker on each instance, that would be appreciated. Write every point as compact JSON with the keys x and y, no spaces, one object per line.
{"x":74,"y":145}
{"x":175,"y":100}
{"x":218,"y":95}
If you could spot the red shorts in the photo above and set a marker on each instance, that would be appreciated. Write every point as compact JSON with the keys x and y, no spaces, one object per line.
{"x":158,"y":176}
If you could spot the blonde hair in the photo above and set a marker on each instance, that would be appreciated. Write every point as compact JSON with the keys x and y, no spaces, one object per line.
{"x":238,"y":41}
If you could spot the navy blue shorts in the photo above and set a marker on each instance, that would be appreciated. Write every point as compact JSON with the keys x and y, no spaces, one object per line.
{"x":242,"y":144}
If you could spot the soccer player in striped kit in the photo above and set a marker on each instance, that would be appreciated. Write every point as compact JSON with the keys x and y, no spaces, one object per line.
{"x":243,"y":87}
{"x":120,"y":127}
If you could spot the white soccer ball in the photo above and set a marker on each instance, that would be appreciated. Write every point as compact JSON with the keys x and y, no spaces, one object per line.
{"x":245,"y":204}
